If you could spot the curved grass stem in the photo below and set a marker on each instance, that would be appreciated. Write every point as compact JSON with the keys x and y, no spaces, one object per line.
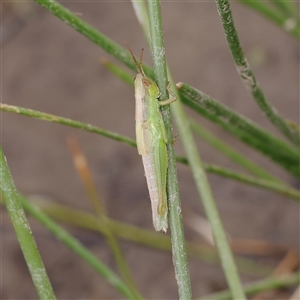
{"x":247,"y":75}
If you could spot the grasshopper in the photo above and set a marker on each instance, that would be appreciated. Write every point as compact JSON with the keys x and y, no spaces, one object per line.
{"x":151,"y":137}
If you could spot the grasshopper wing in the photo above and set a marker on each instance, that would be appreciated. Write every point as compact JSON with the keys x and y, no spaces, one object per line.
{"x":143,"y":137}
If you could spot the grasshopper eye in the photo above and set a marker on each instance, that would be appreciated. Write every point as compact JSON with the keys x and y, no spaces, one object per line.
{"x":146,"y":83}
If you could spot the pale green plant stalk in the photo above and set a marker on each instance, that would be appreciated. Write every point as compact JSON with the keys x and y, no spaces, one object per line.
{"x":204,"y":190}
{"x":141,"y":13}
{"x":17,"y":215}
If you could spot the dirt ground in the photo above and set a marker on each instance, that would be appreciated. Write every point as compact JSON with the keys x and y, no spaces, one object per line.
{"x":47,"y":66}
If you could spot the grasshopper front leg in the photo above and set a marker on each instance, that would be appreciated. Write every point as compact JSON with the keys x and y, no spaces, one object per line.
{"x":171,"y":94}
{"x":166,"y":102}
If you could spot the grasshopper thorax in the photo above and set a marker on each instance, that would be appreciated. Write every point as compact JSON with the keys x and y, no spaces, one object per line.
{"x":150,"y":87}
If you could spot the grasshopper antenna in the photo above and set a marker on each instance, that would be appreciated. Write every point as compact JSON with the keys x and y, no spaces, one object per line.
{"x":141,"y":62}
{"x":134,"y":59}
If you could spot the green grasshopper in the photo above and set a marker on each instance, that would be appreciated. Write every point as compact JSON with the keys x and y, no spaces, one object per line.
{"x":151,"y":140}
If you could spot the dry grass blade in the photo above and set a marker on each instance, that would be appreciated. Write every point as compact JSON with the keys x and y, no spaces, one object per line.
{"x":84,"y":172}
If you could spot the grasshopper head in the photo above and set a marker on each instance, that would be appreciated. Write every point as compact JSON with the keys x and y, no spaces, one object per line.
{"x":141,"y":78}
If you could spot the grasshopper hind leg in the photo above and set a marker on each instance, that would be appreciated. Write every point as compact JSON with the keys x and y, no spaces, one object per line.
{"x":161,"y":166}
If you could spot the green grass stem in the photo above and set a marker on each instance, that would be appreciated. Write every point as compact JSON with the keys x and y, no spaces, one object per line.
{"x":176,"y":225}
{"x":196,"y":165}
{"x":242,"y":128}
{"x":258,"y":182}
{"x":26,"y":240}
{"x":218,"y":170}
{"x":77,"y":247}
{"x":68,"y":122}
